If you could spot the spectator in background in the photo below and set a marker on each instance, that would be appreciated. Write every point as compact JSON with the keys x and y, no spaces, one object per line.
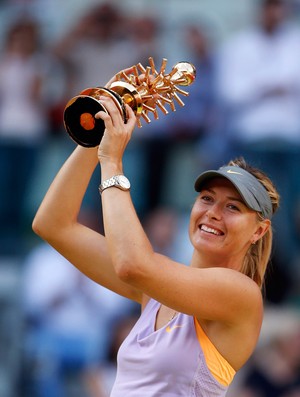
{"x":97,"y":46}
{"x":274,"y":370}
{"x":259,"y":89}
{"x":169,"y":145}
{"x":202,"y":114}
{"x":161,"y":227}
{"x":164,"y":227}
{"x":199,"y":115}
{"x":23,"y":123}
{"x":69,"y":322}
{"x":144,"y":160}
{"x":145,"y":35}
{"x":100,"y":380}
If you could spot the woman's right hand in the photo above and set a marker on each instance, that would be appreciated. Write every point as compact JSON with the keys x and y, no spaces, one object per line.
{"x":117,"y":132}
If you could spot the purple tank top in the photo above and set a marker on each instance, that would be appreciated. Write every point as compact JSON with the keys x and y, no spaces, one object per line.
{"x":168,"y":362}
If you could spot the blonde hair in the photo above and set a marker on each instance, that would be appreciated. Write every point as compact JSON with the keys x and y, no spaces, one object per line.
{"x":258,"y":256}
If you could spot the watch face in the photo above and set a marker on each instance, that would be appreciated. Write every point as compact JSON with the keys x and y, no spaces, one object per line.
{"x":124,"y":182}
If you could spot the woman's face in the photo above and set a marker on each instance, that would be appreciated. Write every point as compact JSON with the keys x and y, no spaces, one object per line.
{"x":221,"y":226}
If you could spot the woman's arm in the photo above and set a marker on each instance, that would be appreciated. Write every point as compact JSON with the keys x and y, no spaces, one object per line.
{"x":215,"y":294}
{"x":56,"y":222}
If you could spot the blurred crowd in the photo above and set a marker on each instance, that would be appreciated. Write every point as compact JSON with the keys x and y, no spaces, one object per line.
{"x":245,"y":101}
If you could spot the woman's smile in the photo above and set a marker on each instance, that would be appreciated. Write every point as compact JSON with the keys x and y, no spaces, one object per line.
{"x":220,"y":221}
{"x":210,"y":230}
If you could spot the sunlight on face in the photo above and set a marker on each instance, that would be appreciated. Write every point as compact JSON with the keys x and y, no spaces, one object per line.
{"x":221,"y":224}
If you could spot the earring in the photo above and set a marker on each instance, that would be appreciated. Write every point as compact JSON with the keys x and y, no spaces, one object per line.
{"x":253,"y":242}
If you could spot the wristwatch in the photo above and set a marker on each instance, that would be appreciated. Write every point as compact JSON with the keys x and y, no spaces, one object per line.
{"x":119,"y":181}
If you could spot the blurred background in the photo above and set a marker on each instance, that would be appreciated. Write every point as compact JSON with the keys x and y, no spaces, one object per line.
{"x":59,"y":331}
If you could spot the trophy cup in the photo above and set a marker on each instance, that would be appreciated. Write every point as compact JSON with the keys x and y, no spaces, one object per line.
{"x":145,"y":90}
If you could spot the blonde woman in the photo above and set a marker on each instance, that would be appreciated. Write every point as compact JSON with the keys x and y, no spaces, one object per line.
{"x":200,"y":323}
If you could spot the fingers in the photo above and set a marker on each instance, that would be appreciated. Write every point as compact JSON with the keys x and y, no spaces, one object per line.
{"x":131,"y":117}
{"x":102,"y":115}
{"x":113,"y":114}
{"x":117,"y":132}
{"x":106,"y":118}
{"x":127,"y":71}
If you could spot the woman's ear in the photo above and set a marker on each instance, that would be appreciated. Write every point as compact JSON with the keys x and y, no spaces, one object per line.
{"x":262,"y":229}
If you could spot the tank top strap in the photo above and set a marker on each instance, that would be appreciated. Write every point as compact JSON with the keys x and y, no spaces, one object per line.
{"x":219,"y":367}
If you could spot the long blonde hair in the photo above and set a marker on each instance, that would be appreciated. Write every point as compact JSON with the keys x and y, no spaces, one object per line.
{"x":258,"y":256}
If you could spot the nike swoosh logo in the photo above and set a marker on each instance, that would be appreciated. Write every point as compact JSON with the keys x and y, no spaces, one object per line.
{"x":233,"y":172}
{"x":170,"y":329}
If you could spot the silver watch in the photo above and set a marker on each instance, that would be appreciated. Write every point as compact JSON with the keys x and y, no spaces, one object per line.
{"x":119,"y":181}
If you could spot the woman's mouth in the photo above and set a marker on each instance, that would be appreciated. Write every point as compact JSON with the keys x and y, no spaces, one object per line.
{"x":211,"y":230}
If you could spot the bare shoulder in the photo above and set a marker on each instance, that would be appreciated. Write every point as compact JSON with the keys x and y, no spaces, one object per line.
{"x":237,"y":336}
{"x":247,"y":299}
{"x":233,"y":296}
{"x":213,"y":294}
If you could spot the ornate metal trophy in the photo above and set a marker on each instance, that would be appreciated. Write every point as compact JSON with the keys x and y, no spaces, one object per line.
{"x":145,"y":90}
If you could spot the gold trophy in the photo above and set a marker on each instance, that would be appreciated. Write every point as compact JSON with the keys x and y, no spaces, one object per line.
{"x":145,"y":90}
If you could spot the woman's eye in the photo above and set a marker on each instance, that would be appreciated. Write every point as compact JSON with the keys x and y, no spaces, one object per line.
{"x":206,"y":198}
{"x":233,"y":207}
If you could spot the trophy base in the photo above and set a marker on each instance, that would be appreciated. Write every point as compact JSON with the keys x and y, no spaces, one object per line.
{"x":79,"y":116}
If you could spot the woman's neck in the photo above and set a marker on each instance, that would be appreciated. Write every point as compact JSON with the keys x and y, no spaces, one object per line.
{"x":206,"y":260}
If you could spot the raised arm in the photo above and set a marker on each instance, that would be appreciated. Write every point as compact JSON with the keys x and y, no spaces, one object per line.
{"x":197,"y":291}
{"x":56,"y":222}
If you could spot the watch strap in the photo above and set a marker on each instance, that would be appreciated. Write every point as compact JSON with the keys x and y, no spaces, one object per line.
{"x":110,"y":182}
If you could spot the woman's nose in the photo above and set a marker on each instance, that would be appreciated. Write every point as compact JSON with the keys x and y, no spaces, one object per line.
{"x":214,"y":212}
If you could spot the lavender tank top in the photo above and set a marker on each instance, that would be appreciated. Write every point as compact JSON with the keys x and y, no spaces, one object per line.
{"x":168,"y":362}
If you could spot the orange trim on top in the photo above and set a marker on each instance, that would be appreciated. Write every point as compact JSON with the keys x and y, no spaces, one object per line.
{"x":219,"y":367}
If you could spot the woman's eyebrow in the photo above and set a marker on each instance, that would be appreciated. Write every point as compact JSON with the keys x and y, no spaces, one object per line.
{"x":236,"y":199}
{"x":232,"y":198}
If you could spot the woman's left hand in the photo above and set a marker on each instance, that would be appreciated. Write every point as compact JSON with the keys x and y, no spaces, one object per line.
{"x":117,"y":133}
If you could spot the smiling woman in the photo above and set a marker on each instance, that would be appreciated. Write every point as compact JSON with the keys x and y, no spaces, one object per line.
{"x":257,"y":192}
{"x":200,"y":323}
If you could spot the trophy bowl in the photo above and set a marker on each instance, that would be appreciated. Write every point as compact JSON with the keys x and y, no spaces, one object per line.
{"x":144,"y":90}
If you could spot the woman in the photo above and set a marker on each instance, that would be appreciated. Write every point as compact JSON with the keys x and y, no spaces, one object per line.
{"x":199,"y":323}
